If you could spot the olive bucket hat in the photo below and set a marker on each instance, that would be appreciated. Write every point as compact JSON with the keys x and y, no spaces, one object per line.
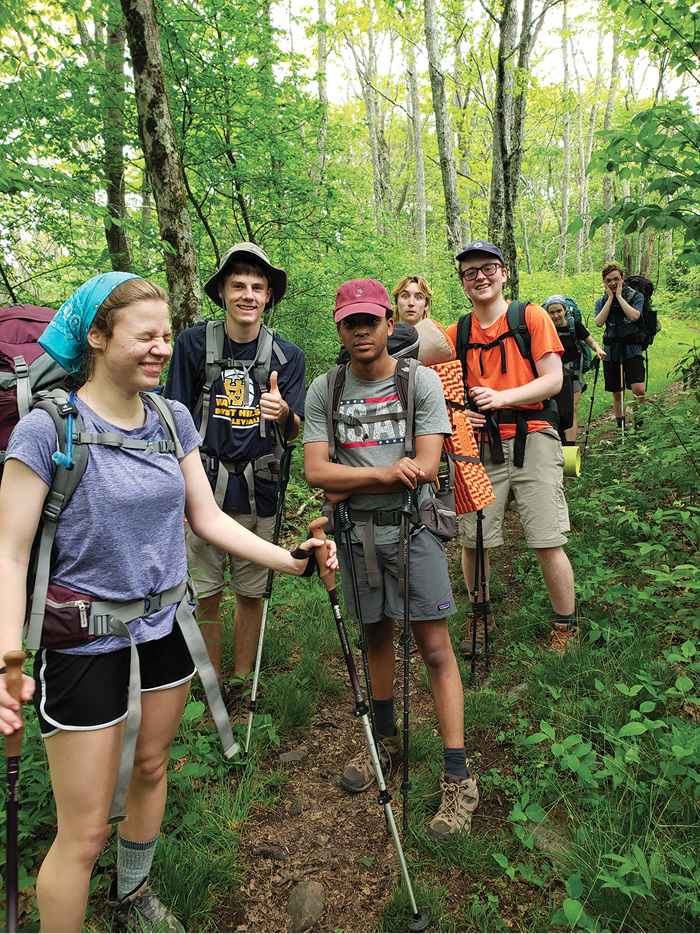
{"x":250,"y":253}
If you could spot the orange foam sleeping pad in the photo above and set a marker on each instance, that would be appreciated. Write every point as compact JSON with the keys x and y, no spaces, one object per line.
{"x":473,"y":490}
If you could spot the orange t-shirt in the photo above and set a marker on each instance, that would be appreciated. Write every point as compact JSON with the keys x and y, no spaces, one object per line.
{"x":518,"y":370}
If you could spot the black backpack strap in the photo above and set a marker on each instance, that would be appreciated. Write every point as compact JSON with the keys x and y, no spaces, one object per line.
{"x":464,"y":329}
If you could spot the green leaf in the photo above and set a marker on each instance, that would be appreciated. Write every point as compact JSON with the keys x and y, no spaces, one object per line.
{"x":501,"y":859}
{"x":574,"y":885}
{"x":535,"y":813}
{"x":632,"y":729}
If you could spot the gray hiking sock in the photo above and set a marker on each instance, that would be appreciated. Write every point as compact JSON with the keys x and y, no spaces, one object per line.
{"x":134,"y":861}
{"x":456,"y":761}
{"x":384,"y":716}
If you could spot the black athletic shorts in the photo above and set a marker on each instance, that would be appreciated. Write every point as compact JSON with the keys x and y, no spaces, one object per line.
{"x":634,"y":373}
{"x":90,"y":692}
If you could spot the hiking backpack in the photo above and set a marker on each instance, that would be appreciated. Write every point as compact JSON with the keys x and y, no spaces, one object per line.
{"x":585,"y":354}
{"x":648,"y":324}
{"x":558,"y":411}
{"x":26,"y":371}
{"x":266,"y":466}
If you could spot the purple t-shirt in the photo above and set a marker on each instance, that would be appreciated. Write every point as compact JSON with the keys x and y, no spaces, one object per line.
{"x":121,"y":537}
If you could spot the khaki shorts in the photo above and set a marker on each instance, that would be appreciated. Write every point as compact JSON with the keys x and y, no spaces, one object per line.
{"x":537,"y":488}
{"x":207,"y":563}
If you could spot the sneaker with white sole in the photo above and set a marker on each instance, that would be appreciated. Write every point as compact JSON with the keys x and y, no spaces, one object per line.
{"x":460,"y":798}
{"x":358,"y":774}
{"x":142,"y":910}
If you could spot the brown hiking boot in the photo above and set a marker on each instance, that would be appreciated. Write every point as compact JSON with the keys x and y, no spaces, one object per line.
{"x":562,"y":635}
{"x":358,"y":774}
{"x":460,"y":798}
{"x":142,"y":910}
{"x":465,"y":646}
{"x":238,"y":699}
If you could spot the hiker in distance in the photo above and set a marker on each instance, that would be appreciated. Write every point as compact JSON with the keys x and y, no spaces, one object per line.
{"x":412,"y":296}
{"x":245,"y":388}
{"x":524,"y":456}
{"x":119,"y":539}
{"x":618,"y":311}
{"x":371,"y":473}
{"x":555,"y":306}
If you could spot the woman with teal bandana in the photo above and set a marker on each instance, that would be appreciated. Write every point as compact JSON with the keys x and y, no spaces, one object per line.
{"x":119,"y":539}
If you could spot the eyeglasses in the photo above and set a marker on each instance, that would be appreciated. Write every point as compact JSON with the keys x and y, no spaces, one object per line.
{"x":470,"y":274}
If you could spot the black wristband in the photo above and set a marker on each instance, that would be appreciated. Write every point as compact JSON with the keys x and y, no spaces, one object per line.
{"x":3,"y":670}
{"x":311,"y":565}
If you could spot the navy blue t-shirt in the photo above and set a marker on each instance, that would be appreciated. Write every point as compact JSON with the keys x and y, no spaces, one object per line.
{"x":233,"y":432}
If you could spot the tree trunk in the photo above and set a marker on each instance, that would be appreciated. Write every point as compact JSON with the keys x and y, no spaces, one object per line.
{"x":585,"y":153}
{"x":609,"y":248}
{"x":112,"y":57}
{"x":418,"y":153}
{"x":322,"y":61}
{"x":566,"y":144}
{"x":502,"y":119}
{"x":161,"y":152}
{"x":448,"y":168}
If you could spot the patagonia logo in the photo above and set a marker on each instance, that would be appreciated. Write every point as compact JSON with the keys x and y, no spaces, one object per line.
{"x":444,"y":606}
{"x":359,"y":291}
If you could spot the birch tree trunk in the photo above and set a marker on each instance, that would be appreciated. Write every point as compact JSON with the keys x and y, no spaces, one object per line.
{"x":161,"y":152}
{"x":448,"y":168}
{"x":585,"y":153}
{"x":417,"y":153}
{"x":609,"y":247}
{"x":566,"y":146}
{"x":322,"y":61}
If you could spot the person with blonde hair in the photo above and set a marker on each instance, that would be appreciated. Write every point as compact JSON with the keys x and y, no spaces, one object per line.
{"x":119,"y":543}
{"x":412,"y":296}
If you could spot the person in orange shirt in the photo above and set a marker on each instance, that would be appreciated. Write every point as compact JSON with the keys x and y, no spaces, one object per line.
{"x":523,"y":457}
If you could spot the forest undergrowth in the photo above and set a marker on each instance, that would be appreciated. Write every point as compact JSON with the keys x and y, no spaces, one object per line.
{"x":600,"y":747}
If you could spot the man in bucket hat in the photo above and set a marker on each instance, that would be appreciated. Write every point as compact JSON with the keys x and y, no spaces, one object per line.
{"x":245,"y":388}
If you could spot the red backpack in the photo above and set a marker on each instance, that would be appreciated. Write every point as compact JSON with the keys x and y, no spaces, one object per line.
{"x":25,"y":370}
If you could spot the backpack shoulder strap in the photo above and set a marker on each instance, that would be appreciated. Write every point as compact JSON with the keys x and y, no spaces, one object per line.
{"x":213,"y":352}
{"x":166,"y":417}
{"x":517,"y":323}
{"x":65,"y":482}
{"x":464,"y":330}
{"x":406,"y":389}
{"x":335,"y":380}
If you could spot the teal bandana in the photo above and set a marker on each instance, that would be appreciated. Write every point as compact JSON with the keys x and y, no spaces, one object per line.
{"x":65,"y":338}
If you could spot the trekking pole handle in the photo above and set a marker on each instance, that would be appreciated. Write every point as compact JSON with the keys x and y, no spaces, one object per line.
{"x":285,"y":465}
{"x":327,"y":575}
{"x":13,"y":679}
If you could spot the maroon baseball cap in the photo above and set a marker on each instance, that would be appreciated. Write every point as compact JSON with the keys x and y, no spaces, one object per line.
{"x":361,"y":297}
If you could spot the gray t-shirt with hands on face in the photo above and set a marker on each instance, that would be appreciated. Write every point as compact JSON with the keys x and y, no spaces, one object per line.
{"x":381,"y":444}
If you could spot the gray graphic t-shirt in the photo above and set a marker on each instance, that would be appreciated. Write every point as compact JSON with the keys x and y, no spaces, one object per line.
{"x":378,"y":443}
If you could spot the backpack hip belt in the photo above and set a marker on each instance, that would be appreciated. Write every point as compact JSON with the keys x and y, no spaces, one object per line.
{"x":265,"y":467}
{"x":381,"y":517}
{"x":519,"y":418}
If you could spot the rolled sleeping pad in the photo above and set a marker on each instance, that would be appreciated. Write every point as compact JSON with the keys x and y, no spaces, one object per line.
{"x":572,"y":460}
{"x":435,"y":346}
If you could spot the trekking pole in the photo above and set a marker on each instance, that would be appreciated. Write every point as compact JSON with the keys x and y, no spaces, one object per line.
{"x":13,"y":746}
{"x":590,"y":410}
{"x":420,"y":920}
{"x":285,"y":465}
{"x":405,"y":640}
{"x":623,"y":424}
{"x":346,"y":530}
{"x":480,"y":601}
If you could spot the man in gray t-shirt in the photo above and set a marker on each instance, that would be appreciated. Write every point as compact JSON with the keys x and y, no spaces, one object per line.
{"x":370,"y":472}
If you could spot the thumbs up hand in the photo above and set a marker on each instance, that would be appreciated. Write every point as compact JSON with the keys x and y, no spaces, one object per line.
{"x":273,"y":408}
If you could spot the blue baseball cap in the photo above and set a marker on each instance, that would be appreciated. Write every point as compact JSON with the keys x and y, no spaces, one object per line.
{"x":480,"y":246}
